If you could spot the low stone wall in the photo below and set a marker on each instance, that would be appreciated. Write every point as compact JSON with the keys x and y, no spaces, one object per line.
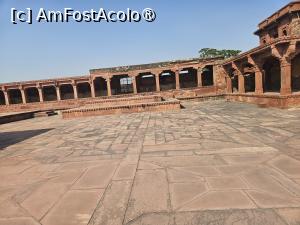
{"x":75,"y":103}
{"x":95,"y":110}
{"x":267,"y":100}
{"x":125,"y":101}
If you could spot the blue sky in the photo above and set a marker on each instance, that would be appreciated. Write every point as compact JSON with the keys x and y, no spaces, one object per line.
{"x":41,"y":51}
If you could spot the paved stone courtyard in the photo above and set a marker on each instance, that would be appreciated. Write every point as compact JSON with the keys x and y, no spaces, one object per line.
{"x":210,"y":163}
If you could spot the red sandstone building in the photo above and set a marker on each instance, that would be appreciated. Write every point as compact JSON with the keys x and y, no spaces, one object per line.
{"x":268,"y":74}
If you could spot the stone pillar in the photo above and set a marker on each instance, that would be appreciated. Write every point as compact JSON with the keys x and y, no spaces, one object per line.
{"x":134,"y":85}
{"x":75,"y":91}
{"x":108,"y":86}
{"x":241,"y":83}
{"x":40,"y":90}
{"x":6,"y":97}
{"x":23,"y":95}
{"x":157,"y":82}
{"x":286,"y":77}
{"x":229,"y":84}
{"x":177,"y":80}
{"x":199,"y":77}
{"x":92,"y":89}
{"x":58,"y":93}
{"x":258,"y":81}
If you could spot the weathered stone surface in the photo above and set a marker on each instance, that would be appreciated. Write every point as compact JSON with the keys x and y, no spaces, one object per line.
{"x":96,"y":177}
{"x":111,"y":210}
{"x":258,"y":168}
{"x":125,"y":172}
{"x":76,"y":207}
{"x":225,"y":183}
{"x":19,"y":221}
{"x":149,"y":194}
{"x":40,"y":201}
{"x":218,"y":200}
{"x":290,"y":215}
{"x":182,"y":193}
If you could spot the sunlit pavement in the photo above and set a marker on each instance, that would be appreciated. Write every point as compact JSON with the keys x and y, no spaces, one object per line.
{"x":210,"y":163}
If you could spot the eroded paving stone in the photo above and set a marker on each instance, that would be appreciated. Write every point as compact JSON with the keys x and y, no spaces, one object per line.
{"x":182,"y":176}
{"x":125,"y":172}
{"x":186,"y":161}
{"x":288,"y":165}
{"x":41,"y":200}
{"x":182,"y":193}
{"x":75,"y":208}
{"x":230,"y":217}
{"x":290,"y":215}
{"x":225,"y":183}
{"x":149,"y":194}
{"x":96,"y":177}
{"x":19,"y":221}
{"x":111,"y":210}
{"x":218,"y":200}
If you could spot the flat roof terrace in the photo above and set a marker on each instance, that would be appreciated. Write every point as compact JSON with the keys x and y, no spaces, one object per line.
{"x":211,"y":161}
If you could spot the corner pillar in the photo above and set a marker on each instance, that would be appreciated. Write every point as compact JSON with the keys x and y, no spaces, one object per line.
{"x":241,"y":83}
{"x":286,"y":77}
{"x":229,"y":84}
{"x":258,"y":81}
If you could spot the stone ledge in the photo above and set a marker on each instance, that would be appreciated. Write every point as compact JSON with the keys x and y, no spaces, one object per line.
{"x":119,"y":109}
{"x":267,"y":100}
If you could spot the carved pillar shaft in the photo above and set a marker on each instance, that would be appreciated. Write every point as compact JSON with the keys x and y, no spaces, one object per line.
{"x":157,"y":82}
{"x":6,"y":97}
{"x":92,"y":89}
{"x":258,"y":81}
{"x":23,"y":96}
{"x":40,"y":90}
{"x":134,"y":85}
{"x":229,"y":84}
{"x":199,"y":77}
{"x":241,"y":84}
{"x":286,"y":77}
{"x":177,"y":80}
{"x":75,"y":91}
{"x":108,"y":86}
{"x":58,"y":93}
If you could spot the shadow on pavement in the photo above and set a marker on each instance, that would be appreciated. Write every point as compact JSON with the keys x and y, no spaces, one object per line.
{"x":11,"y":138}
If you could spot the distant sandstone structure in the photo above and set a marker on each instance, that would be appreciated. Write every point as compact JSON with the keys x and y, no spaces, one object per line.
{"x":267,"y":75}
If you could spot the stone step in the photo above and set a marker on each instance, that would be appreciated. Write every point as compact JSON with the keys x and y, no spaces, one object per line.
{"x":44,"y":114}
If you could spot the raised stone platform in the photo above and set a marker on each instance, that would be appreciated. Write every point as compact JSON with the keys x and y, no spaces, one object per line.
{"x":99,"y":109}
{"x":267,"y":99}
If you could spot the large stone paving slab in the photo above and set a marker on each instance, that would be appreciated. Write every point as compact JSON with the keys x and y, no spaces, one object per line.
{"x":211,"y":163}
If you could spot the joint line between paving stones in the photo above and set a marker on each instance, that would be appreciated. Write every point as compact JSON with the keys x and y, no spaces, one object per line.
{"x":136,"y":170}
{"x":104,"y":193}
{"x":56,"y":202}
